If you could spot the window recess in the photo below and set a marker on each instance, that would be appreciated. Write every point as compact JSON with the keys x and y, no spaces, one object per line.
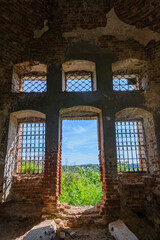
{"x":29,"y":77}
{"x":79,"y":76}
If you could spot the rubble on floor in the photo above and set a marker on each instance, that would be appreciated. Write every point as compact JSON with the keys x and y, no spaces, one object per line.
{"x":17,"y":232}
{"x":73,"y":222}
{"x":45,"y":230}
{"x":120,"y":231}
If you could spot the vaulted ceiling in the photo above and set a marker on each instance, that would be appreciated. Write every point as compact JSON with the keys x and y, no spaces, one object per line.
{"x":22,"y":22}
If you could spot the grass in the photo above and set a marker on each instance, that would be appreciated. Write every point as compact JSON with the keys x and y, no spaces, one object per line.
{"x":81,"y":186}
{"x":32,"y":167}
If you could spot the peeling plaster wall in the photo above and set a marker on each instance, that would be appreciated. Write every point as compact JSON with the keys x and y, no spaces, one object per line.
{"x":115,"y":27}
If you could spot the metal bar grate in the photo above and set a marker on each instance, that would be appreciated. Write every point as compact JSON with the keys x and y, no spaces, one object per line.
{"x":131,"y":149}
{"x":33,"y":83}
{"x":126,"y":82}
{"x":31,"y":148}
{"x":78,"y":81}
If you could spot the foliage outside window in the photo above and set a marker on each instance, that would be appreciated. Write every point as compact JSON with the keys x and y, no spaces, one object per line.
{"x":81,"y":185}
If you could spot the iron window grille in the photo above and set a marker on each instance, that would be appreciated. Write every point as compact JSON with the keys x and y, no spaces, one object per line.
{"x":31,"y":147}
{"x":126,"y":82}
{"x":130,"y":144}
{"x":78,"y":81}
{"x":33,"y":83}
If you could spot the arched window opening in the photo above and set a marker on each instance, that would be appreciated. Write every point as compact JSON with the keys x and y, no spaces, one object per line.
{"x":131,"y":148}
{"x":130,"y":75}
{"x":134,"y":136}
{"x":26,"y":146}
{"x":29,"y":77}
{"x":78,"y":76}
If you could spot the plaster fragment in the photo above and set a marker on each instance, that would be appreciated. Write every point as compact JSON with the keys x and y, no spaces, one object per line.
{"x":120,"y":231}
{"x":38,"y":33}
{"x":117,"y":28}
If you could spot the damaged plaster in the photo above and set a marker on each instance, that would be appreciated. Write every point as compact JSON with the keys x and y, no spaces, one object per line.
{"x":115,"y":27}
{"x":38,"y":33}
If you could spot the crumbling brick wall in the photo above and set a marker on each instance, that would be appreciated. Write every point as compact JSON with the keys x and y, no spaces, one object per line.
{"x":27,"y":188}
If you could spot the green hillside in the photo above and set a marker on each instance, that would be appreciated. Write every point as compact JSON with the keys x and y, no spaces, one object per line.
{"x":85,"y":166}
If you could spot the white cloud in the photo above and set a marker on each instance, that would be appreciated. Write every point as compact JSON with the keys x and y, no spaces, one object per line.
{"x":80,"y":142}
{"x":79,"y":130}
{"x":87,"y":140}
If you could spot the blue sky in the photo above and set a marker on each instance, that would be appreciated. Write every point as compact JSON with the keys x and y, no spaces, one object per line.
{"x":79,"y":142}
{"x":122,"y":85}
{"x":34,"y":85}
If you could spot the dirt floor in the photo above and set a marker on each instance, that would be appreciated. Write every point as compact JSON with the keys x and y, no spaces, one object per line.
{"x":16,"y":230}
{"x":83,"y":222}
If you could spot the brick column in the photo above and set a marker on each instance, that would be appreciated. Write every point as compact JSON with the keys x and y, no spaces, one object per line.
{"x":111,"y":199}
{"x":51,"y":169}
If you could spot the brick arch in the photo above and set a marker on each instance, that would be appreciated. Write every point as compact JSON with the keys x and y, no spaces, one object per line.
{"x":149,"y":131}
{"x":79,"y":112}
{"x":28,"y":113}
{"x":29,"y":66}
{"x":129,"y":64}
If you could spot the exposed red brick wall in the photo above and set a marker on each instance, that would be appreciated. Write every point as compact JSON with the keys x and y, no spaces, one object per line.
{"x":139,"y":13}
{"x":123,"y":49}
{"x":51,"y":181}
{"x":111,"y":198}
{"x":27,"y":188}
{"x":135,"y":191}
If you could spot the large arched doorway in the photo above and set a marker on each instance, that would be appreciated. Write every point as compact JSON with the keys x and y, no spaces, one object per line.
{"x":81,"y":179}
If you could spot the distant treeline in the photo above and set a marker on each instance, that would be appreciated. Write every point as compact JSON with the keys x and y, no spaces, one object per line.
{"x":84,"y":166}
